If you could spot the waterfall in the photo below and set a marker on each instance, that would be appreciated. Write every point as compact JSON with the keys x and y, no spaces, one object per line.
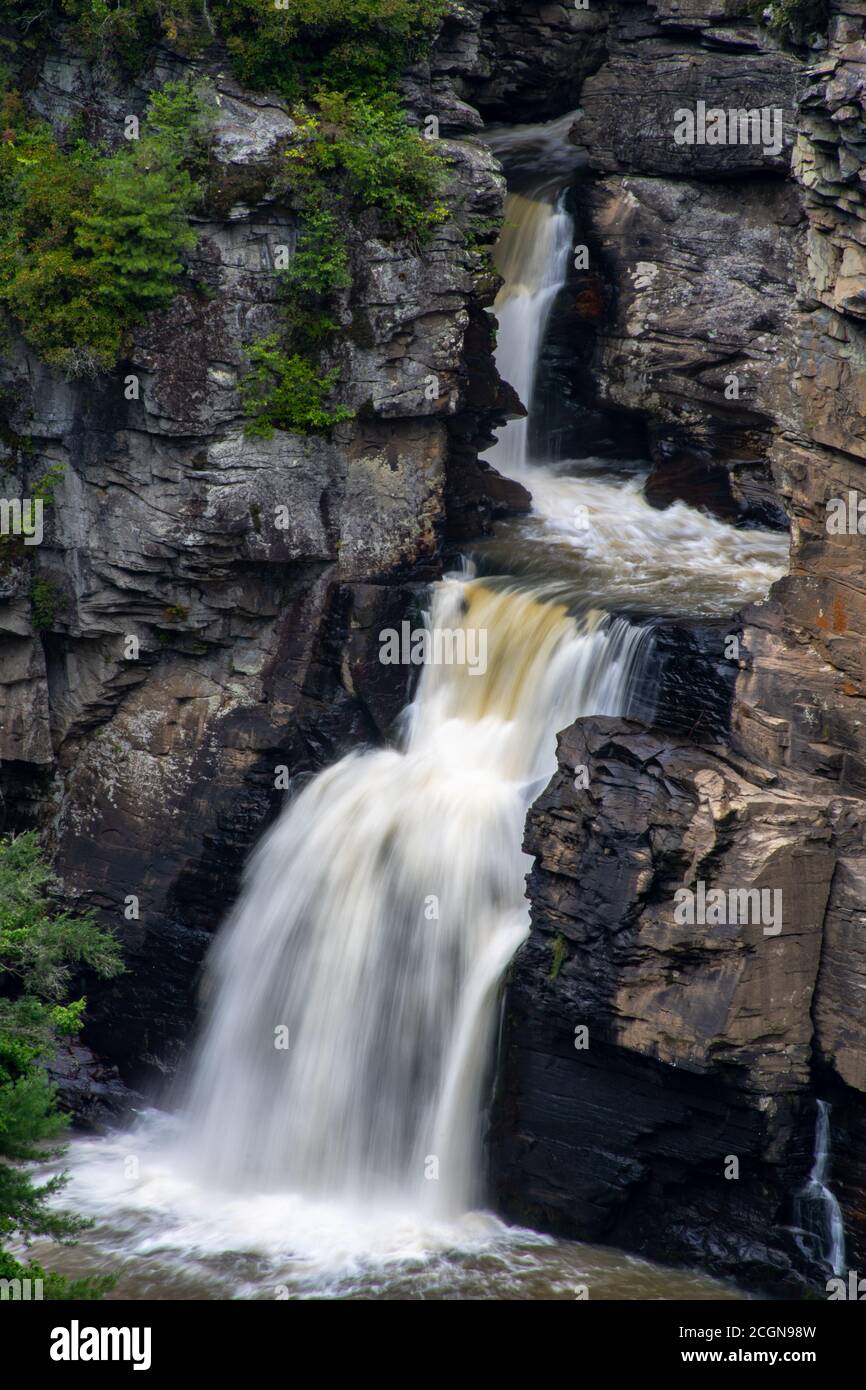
{"x":595,"y":530}
{"x":532,"y":257}
{"x":379,"y":914}
{"x":330,"y":1134}
{"x":378,"y":917}
{"x":816,"y":1210}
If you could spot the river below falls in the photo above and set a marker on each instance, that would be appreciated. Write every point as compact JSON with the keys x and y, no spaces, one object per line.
{"x":166,"y":1235}
{"x":307,"y":1173}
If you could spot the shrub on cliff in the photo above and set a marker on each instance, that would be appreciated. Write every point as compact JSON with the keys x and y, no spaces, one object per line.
{"x":45,"y":600}
{"x":286,"y":391}
{"x":797,"y":20}
{"x":351,"y":153}
{"x":38,"y":949}
{"x":356,"y":45}
{"x":89,"y":242}
{"x":123,"y":31}
{"x":368,"y":151}
{"x":320,"y":265}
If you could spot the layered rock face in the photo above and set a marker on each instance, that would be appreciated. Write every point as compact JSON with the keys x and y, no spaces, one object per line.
{"x":699,"y":243}
{"x":509,"y":60}
{"x":800,"y":705}
{"x":730,"y":320}
{"x":218,"y":598}
{"x":674,"y":1124}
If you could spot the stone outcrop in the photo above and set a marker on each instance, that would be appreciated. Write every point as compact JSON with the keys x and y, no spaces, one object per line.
{"x":800,"y":705}
{"x":700,"y":336}
{"x":90,"y":1091}
{"x":508,"y":60}
{"x":685,"y":683}
{"x":698,"y":244}
{"x":699,"y":1034}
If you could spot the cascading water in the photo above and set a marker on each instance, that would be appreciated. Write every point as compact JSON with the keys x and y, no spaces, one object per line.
{"x":381,"y":960}
{"x":816,"y":1211}
{"x":378,"y":917}
{"x":330,"y":1135}
{"x":590,"y":527}
{"x":532,"y":258}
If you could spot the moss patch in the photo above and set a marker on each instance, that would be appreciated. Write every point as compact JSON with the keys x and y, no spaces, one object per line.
{"x":560,"y":951}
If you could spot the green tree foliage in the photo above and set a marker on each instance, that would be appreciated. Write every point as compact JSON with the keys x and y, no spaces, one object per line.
{"x":39,"y":948}
{"x":350,"y":153}
{"x":320,"y":265}
{"x":319,"y":270}
{"x":285,"y":392}
{"x":90,"y":242}
{"x":121,"y":31}
{"x":369,"y":150}
{"x":44,"y":601}
{"x":86,"y":274}
{"x":354,"y":45}
{"x":135,"y":230}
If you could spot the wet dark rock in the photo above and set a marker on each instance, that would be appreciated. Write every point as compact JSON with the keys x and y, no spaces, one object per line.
{"x":699,"y":336}
{"x":699,"y":1036}
{"x":685,"y":681}
{"x":664,"y":58}
{"x":90,"y":1090}
{"x":511,"y":60}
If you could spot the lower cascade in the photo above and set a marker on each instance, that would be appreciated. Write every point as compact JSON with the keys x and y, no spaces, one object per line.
{"x":379,"y":915}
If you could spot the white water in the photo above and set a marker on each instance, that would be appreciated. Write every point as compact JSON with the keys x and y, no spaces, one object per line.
{"x":602,"y":539}
{"x":592,"y":528}
{"x":379,"y":915}
{"x":350,"y":1160}
{"x":377,"y":919}
{"x":380,"y":912}
{"x":817,"y":1211}
{"x":532,"y":258}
